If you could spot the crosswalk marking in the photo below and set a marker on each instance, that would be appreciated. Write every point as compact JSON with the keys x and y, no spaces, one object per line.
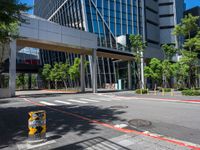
{"x":89,"y":100}
{"x":103,"y":99}
{"x":77,"y":101}
{"x":62,"y":102}
{"x":47,"y":103}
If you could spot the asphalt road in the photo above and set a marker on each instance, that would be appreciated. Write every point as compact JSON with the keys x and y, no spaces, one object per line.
{"x":172,"y":119}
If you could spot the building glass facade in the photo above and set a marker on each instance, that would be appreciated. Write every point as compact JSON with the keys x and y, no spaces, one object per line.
{"x":110,"y":20}
{"x":106,"y":18}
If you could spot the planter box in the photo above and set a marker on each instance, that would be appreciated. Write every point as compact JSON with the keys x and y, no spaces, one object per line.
{"x":4,"y":93}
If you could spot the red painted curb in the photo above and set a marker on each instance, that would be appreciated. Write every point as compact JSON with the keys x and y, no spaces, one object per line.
{"x":119,"y":129}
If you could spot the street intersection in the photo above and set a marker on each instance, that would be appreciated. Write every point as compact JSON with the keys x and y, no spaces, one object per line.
{"x":102,"y":121}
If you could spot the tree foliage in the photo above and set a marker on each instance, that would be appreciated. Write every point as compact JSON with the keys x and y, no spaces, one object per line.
{"x":74,"y":71}
{"x":10,"y":11}
{"x":20,"y":81}
{"x":63,"y":72}
{"x":10,"y":14}
{"x":180,"y":73}
{"x":169,"y":50}
{"x":188,"y":24}
{"x":137,"y":47}
{"x":154,"y":70}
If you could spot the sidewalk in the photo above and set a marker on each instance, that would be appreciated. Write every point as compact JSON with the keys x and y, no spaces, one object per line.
{"x":123,"y":142}
{"x":177,"y":95}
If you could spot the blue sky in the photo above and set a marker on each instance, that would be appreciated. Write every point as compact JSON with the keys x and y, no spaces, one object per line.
{"x":189,"y":3}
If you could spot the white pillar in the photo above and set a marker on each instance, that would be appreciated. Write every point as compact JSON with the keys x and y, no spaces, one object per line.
{"x":129,"y":76}
{"x":142,"y":70}
{"x":82,"y":74}
{"x":94,"y":71}
{"x":12,"y":68}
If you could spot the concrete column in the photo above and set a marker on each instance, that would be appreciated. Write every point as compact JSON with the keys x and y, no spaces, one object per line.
{"x":82,"y":73}
{"x":94,"y":71}
{"x":12,"y":68}
{"x":142,"y":71}
{"x":129,"y":76}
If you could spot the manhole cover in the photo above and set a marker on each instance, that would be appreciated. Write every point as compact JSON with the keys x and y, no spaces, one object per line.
{"x":118,"y":107}
{"x":139,"y":123}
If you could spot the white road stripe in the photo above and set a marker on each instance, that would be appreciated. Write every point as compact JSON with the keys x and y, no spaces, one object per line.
{"x":47,"y":103}
{"x":62,"y":102}
{"x":77,"y":101}
{"x":89,"y":100}
{"x":101,"y":99}
{"x":121,"y":126}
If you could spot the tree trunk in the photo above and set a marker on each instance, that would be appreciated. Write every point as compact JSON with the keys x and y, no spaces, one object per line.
{"x":49,"y":85}
{"x":65,"y":84}
{"x":56,"y":86}
{"x":155,"y":86}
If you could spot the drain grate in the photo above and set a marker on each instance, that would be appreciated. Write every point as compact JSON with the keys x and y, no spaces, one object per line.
{"x":118,"y":107}
{"x":139,"y":123}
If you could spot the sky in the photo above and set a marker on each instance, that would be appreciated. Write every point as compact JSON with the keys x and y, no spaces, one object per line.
{"x":189,"y":3}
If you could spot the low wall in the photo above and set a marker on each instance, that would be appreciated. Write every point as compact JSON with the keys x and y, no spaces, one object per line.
{"x":4,"y":93}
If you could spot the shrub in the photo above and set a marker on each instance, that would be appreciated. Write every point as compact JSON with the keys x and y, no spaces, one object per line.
{"x":181,"y":89}
{"x":191,"y":92}
{"x":138,"y":91}
{"x":165,"y":89}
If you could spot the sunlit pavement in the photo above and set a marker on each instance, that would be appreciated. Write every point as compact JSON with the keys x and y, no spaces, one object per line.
{"x":101,"y":121}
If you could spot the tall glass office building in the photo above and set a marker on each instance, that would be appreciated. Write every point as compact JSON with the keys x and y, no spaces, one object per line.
{"x":112,"y":21}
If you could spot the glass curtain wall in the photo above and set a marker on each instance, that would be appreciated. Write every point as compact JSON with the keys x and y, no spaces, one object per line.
{"x":106,"y":18}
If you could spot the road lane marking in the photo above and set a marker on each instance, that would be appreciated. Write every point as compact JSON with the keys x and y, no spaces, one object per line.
{"x":77,"y":101}
{"x":121,"y":125}
{"x":89,"y":100}
{"x":62,"y":102}
{"x":47,"y":103}
{"x":101,"y":99}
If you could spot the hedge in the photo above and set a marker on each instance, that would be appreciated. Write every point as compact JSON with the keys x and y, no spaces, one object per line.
{"x":165,"y":89}
{"x":191,"y":92}
{"x":138,"y":91}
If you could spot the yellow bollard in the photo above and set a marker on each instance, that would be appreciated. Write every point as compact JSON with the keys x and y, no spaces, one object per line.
{"x":37,"y":126}
{"x":172,"y":92}
{"x":155,"y":93}
{"x":163,"y":92}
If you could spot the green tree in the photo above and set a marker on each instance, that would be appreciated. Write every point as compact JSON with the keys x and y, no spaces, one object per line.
{"x":166,"y":72}
{"x":55,"y":74}
{"x":10,"y":11}
{"x":180,"y":73}
{"x":64,"y":72}
{"x":10,"y":14}
{"x":169,"y":51}
{"x":46,"y":71}
{"x":197,"y":45}
{"x":190,"y":59}
{"x":154,"y":71}
{"x":10,"y":18}
{"x":20,"y":81}
{"x":74,"y":71}
{"x":187,"y":26}
{"x":137,"y":47}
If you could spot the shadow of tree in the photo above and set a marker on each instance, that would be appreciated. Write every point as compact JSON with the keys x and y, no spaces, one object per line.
{"x":14,"y":121}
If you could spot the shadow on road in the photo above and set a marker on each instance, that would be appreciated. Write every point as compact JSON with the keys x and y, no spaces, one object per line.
{"x":93,"y":143}
{"x":14,"y":121}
